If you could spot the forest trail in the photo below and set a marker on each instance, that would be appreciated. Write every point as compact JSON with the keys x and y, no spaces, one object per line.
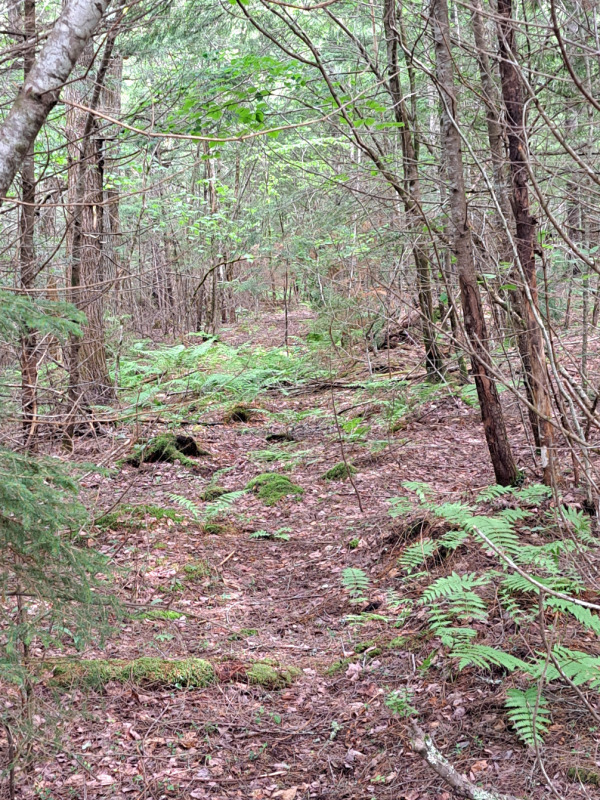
{"x":328,"y":732}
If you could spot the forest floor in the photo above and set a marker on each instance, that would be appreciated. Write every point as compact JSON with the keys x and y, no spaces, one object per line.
{"x":321,"y":730}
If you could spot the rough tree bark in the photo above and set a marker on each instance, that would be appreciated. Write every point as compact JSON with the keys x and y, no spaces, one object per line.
{"x":40,"y":92}
{"x":433,"y":356}
{"x":525,"y":232}
{"x":491,"y":411}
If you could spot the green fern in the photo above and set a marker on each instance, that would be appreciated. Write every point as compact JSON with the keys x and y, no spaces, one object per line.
{"x":498,"y":530}
{"x":400,"y":507}
{"x":356,"y":583}
{"x":420,"y":488}
{"x":187,"y":504}
{"x":528,"y":713}
{"x":493,"y":492}
{"x":457,"y":590}
{"x":485,"y":657}
{"x":581,"y":614}
{"x":456,"y":513}
{"x":417,"y":553}
{"x":579,"y":667}
{"x":534,"y":494}
{"x":222,"y":505}
{"x":453,"y":539}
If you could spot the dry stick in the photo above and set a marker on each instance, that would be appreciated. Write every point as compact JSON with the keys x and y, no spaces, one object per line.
{"x":423,"y":745}
{"x":343,"y":452}
{"x":11,"y":761}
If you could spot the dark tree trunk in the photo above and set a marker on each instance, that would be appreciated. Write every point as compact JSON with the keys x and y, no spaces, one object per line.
{"x":525,"y":233}
{"x":433,"y":356}
{"x":491,"y":411}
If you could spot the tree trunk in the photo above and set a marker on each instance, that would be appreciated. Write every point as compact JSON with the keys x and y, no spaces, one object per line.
{"x":491,"y":411}
{"x":40,"y":92}
{"x":29,"y":372}
{"x":433,"y":356}
{"x":525,"y":233}
{"x":505,"y":218}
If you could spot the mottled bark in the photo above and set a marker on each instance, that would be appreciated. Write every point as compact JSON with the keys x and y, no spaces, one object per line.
{"x":525,"y":225}
{"x":491,"y":411}
{"x":40,"y":92}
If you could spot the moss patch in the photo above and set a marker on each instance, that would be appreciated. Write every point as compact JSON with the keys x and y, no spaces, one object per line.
{"x":196,"y":571}
{"x":169,"y":448}
{"x":213,"y":493}
{"x":239,"y":413}
{"x":339,"y":472}
{"x":583,"y":775}
{"x":214,"y":528}
{"x":271,"y":487}
{"x":271,"y":677}
{"x":131,"y":516}
{"x":178,"y":674}
{"x":187,"y":673}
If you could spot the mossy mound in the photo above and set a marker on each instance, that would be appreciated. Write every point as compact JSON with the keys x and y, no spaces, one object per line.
{"x":239,"y":413}
{"x":187,"y":673}
{"x":169,"y":448}
{"x":339,"y":472}
{"x":583,"y":775}
{"x":214,"y":528}
{"x":270,"y":676}
{"x":213,"y":493}
{"x":184,"y":673}
{"x":196,"y":571}
{"x":271,"y":487}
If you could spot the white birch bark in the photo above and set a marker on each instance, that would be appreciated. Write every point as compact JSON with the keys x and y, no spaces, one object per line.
{"x":41,"y":90}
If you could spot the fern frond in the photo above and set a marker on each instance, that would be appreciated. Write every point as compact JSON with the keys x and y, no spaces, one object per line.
{"x":534,"y":494}
{"x":528,"y":713}
{"x":400,"y":506}
{"x":498,"y":530}
{"x":580,"y":523}
{"x":492,"y":492}
{"x":187,"y":504}
{"x":514,"y":514}
{"x":457,"y":591}
{"x":579,"y":667}
{"x":415,"y":554}
{"x":356,"y":583}
{"x":456,"y":513}
{"x":485,"y":657}
{"x":420,"y":488}
{"x":581,"y":614}
{"x":452,"y":539}
{"x":222,"y":505}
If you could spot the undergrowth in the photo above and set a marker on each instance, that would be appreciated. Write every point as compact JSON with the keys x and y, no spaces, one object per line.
{"x":531,"y":575}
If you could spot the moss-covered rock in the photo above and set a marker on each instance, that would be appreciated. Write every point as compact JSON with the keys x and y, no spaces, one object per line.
{"x":339,"y":472}
{"x":179,"y":674}
{"x":271,"y":487}
{"x":169,"y":448}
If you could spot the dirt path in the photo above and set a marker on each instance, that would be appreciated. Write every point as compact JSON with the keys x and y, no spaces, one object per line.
{"x":328,"y":734}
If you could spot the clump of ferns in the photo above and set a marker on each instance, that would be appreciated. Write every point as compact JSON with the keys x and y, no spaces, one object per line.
{"x":457,"y":608}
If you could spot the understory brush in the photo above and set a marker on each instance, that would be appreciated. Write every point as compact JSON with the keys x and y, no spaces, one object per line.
{"x":190,"y":378}
{"x":518,"y":609}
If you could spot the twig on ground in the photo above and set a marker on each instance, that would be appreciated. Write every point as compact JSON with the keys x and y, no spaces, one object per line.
{"x":424,"y":746}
